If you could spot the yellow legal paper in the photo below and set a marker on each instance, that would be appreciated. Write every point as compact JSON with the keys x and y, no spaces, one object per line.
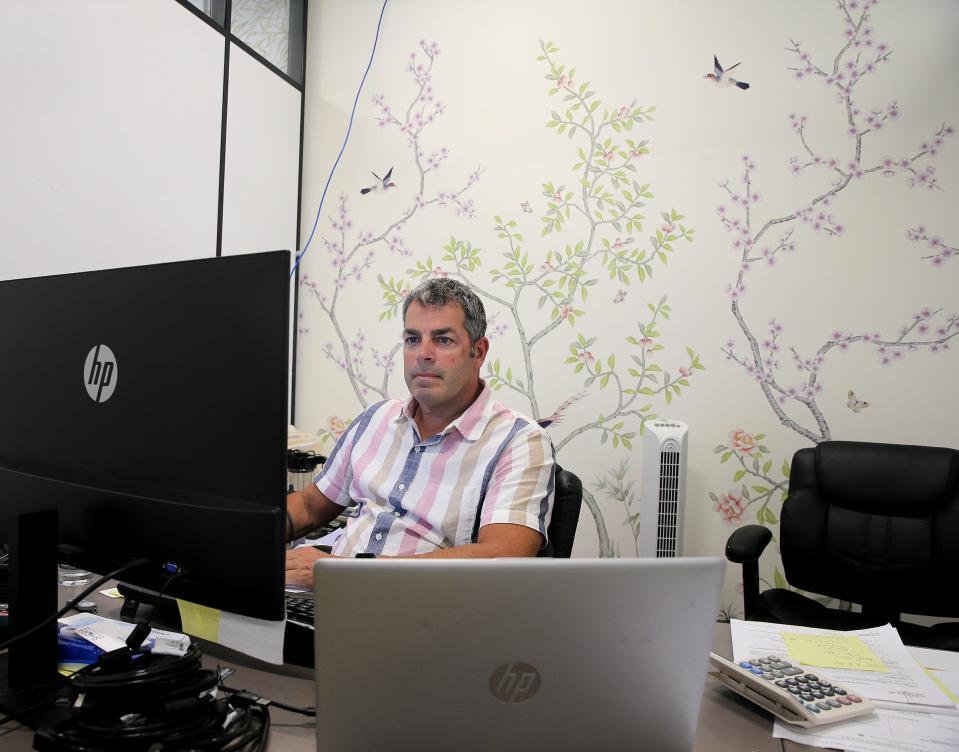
{"x":199,"y":621}
{"x":949,"y":693}
{"x":832,"y":651}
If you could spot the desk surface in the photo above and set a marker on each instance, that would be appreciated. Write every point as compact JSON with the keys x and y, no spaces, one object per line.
{"x":727,"y":723}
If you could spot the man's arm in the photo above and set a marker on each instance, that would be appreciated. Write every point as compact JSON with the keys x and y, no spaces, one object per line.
{"x":499,"y":540}
{"x":306,"y":510}
{"x":494,"y":541}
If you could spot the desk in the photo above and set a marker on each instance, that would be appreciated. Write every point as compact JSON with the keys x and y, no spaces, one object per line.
{"x":727,"y":723}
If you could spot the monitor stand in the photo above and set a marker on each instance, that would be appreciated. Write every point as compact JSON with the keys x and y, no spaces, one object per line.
{"x":31,"y":689}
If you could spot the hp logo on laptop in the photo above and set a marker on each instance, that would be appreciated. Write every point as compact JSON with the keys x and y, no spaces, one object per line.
{"x":100,"y":373}
{"x":515,"y":682}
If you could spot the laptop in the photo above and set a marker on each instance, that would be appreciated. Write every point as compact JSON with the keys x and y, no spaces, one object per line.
{"x":512,"y":654}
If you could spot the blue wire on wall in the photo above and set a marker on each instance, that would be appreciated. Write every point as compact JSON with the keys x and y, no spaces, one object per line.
{"x":346,"y":139}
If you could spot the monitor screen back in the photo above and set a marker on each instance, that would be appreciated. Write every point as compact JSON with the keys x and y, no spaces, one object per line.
{"x":165,"y":383}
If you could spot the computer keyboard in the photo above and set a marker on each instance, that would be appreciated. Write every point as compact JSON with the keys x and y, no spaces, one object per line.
{"x":298,"y":640}
{"x":299,"y":610}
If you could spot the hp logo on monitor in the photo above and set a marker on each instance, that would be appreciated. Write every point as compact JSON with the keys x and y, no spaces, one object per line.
{"x":515,"y":682}
{"x":100,"y":373}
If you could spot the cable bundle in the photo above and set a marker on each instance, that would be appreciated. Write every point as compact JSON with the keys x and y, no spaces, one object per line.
{"x":135,"y":701}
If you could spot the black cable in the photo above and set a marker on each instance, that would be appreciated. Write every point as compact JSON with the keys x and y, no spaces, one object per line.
{"x":106,"y":578}
{"x":168,"y":700}
{"x":142,"y":629}
{"x":251,"y":697}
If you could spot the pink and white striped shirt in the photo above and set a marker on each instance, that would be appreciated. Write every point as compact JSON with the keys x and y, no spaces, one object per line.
{"x":419,"y":496}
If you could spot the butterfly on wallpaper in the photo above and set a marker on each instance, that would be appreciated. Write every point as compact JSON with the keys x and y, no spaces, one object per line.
{"x":854,"y":403}
{"x":526,"y":207}
{"x":620,"y":296}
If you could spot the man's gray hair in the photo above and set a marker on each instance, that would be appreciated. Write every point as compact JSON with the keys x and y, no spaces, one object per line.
{"x":438,"y":292}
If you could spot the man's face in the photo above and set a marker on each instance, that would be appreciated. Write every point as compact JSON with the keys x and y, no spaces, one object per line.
{"x":440,"y":372}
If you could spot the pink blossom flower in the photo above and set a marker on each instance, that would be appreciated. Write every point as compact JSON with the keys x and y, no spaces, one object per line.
{"x":743,"y":442}
{"x":731,"y":506}
{"x":337,"y":426}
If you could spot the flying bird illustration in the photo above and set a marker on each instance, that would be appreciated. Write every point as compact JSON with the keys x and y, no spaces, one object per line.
{"x":620,"y":296}
{"x":384,"y":183}
{"x":526,"y":207}
{"x":855,"y":404}
{"x":557,"y":416}
{"x":720,"y":74}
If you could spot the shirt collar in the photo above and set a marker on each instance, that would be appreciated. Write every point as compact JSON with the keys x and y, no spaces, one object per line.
{"x":471,"y":424}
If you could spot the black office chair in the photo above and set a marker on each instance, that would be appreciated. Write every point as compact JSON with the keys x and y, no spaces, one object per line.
{"x":872,"y":524}
{"x":562,"y":527}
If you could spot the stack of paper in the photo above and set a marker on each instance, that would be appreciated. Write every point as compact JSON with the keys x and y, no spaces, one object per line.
{"x":915,"y":712}
{"x":110,"y":634}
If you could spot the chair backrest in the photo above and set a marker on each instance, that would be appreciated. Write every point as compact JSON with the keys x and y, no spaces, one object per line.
{"x":567,"y":500}
{"x":875,"y":524}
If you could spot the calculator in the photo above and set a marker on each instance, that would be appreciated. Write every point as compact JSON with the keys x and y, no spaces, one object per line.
{"x":789,"y":692}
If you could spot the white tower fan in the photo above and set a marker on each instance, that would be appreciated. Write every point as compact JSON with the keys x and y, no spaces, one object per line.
{"x":663,"y":502}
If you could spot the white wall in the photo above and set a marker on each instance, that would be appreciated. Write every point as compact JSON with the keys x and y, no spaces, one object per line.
{"x":262,"y":159}
{"x":110,"y":135}
{"x":111,"y":139}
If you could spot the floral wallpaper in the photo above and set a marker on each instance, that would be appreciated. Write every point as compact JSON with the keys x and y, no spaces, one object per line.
{"x":766,"y":258}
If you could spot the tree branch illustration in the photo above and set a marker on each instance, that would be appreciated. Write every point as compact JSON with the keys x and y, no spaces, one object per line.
{"x":764,"y":242}
{"x":601,"y":215}
{"x":352,"y":253}
{"x":859,"y":57}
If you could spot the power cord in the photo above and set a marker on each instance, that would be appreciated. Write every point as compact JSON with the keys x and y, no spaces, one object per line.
{"x":142,"y":629}
{"x":245,"y":696}
{"x":346,"y":139}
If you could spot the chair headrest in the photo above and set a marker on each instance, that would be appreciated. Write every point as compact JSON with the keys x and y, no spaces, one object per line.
{"x":894,"y":479}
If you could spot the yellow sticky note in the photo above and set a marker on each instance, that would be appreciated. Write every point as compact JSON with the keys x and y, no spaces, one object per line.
{"x":832,"y":651}
{"x":200,"y":621}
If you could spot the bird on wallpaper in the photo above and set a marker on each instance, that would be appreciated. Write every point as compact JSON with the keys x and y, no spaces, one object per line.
{"x":526,"y":207}
{"x":384,"y":183}
{"x":854,"y":403}
{"x":557,"y":416}
{"x":620,"y":296}
{"x":720,"y":73}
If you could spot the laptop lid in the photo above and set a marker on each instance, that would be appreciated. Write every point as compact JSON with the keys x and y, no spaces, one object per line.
{"x":502,"y":654}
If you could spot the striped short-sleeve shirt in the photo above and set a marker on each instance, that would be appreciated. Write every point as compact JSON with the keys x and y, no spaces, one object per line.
{"x":418,"y":496}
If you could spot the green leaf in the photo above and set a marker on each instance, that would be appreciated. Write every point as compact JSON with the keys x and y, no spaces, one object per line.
{"x":738,"y":476}
{"x":779,"y":581}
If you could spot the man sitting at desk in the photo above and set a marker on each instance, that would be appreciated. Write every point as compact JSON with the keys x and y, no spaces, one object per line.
{"x":428,"y":473}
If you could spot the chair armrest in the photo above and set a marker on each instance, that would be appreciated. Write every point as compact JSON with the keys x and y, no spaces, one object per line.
{"x":747,"y":543}
{"x":745,"y":546}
